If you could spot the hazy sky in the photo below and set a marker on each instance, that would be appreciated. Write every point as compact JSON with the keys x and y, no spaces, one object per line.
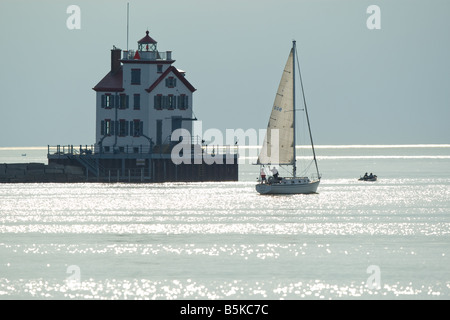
{"x":386,"y":86}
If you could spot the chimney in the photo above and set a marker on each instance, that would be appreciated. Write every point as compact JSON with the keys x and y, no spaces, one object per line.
{"x":115,"y":59}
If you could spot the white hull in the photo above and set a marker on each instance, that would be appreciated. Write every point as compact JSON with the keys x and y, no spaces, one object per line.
{"x":287,"y":187}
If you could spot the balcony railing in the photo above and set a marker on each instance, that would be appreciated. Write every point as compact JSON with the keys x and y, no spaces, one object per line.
{"x":147,"y":55}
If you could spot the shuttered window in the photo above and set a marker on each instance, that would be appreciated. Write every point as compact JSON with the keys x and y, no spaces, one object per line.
{"x":136,"y":128}
{"x":183,"y":102}
{"x":158,"y":102}
{"x":171,"y":82}
{"x":123,"y":101}
{"x":107,"y":101}
{"x":123,"y":127}
{"x":137,"y":102}
{"x":106,"y":127}
{"x":171,"y":102}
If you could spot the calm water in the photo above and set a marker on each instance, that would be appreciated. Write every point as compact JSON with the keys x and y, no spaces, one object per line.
{"x":388,"y":239}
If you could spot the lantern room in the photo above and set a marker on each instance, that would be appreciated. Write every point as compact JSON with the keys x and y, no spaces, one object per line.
{"x":147,"y":43}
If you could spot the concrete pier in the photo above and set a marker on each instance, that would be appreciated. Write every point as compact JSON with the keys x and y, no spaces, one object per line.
{"x":84,"y":164}
{"x":39,"y":172}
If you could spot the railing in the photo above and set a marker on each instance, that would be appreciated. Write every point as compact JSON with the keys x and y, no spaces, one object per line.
{"x":165,"y":148}
{"x":69,"y":149}
{"x":147,"y":55}
{"x":90,"y":150}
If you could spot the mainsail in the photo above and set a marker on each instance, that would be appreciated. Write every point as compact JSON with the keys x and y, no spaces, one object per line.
{"x":278,"y":146}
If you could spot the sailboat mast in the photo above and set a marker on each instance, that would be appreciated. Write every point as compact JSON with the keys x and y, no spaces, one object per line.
{"x":294,"y":173}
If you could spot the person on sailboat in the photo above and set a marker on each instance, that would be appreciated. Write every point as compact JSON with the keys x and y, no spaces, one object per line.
{"x":263,"y":175}
{"x":275,"y":174}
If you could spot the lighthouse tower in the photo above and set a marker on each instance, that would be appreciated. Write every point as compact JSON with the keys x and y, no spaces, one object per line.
{"x":141,"y":101}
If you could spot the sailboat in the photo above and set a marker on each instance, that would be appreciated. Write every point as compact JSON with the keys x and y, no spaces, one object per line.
{"x":280,"y":140}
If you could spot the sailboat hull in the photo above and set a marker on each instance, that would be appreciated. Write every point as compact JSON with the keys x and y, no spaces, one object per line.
{"x":288,"y":188}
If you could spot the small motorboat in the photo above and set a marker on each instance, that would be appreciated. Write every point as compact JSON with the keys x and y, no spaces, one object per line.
{"x":370,"y":177}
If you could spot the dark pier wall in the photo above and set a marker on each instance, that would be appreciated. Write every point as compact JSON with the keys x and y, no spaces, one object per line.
{"x":166,"y":170}
{"x":39,"y":172}
{"x":128,"y":169}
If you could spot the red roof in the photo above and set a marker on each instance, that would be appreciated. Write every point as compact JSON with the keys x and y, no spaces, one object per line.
{"x":177,"y":74}
{"x":147,"y":39}
{"x":111,"y":82}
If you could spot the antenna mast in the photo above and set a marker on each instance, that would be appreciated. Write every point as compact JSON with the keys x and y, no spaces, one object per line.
{"x":128,"y":17}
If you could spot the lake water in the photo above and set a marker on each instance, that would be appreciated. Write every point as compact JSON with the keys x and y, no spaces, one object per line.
{"x":388,"y":239}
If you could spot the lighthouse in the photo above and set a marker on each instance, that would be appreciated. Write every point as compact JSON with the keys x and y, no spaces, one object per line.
{"x":141,"y":100}
{"x":139,"y":104}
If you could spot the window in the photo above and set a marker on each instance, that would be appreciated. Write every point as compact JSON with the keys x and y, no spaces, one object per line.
{"x":123,"y":128}
{"x":158,"y":102}
{"x":136,"y":128}
{"x":171,"y":82}
{"x":107,"y":101}
{"x":171,"y":102}
{"x":106,"y":127}
{"x":183,"y":102}
{"x":135,"y":76}
{"x":159,"y":68}
{"x":137,"y":102}
{"x":123,"y":101}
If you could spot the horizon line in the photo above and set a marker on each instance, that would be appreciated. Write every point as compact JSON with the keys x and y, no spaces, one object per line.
{"x":325,"y":146}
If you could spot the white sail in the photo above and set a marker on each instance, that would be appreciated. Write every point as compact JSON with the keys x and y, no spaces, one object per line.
{"x":278,"y":146}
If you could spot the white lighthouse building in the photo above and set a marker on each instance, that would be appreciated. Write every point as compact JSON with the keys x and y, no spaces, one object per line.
{"x":139,"y":104}
{"x":141,"y":100}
